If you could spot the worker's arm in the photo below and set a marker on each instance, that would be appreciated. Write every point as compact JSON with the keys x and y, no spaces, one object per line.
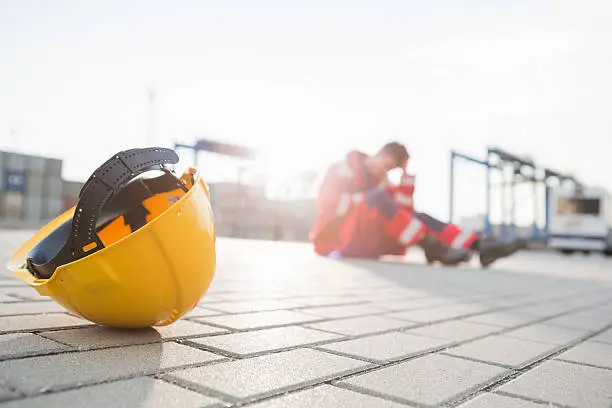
{"x":403,"y":193}
{"x":335,"y":194}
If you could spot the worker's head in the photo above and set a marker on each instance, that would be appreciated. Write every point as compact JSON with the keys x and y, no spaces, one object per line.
{"x":389,"y":157}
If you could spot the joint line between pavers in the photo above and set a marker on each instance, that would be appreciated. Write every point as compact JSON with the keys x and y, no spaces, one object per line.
{"x":541,"y":361}
{"x":325,"y":319}
{"x":213,"y":349}
{"x":43,"y":329}
{"x":493,"y":363}
{"x":578,"y":363}
{"x":146,"y":373}
{"x":380,"y":395}
{"x":230,"y":354}
{"x":41,"y":335}
{"x":198,"y":388}
{"x":251,"y":329}
{"x":531,"y":399}
{"x":369,"y":334}
{"x":499,"y":380}
{"x":516,"y":373}
{"x":75,"y":349}
{"x":290,"y":308}
{"x":504,"y":330}
{"x":242,"y":401}
{"x":353,"y":357}
{"x":463,"y":396}
{"x":405,"y":357}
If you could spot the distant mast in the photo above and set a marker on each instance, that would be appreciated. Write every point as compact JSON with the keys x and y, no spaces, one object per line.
{"x":150,"y":134}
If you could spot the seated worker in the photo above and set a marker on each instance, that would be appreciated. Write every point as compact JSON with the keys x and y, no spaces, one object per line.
{"x":360,"y":214}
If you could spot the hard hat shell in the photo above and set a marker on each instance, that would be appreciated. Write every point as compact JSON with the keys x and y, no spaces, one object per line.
{"x":148,"y":277}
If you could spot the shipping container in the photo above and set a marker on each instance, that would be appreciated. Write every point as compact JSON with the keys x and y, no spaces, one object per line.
{"x":36,"y":164}
{"x":34,"y":208}
{"x":53,"y":187}
{"x":53,"y":167}
{"x":35,"y":185}
{"x":12,"y":205}
{"x":71,"y":188}
{"x":54,"y":208}
{"x":15,"y":161}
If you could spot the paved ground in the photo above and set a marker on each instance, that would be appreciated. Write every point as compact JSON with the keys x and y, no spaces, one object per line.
{"x":282,"y":328}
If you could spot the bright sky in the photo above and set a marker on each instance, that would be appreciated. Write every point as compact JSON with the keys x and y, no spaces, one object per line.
{"x":306,"y":81}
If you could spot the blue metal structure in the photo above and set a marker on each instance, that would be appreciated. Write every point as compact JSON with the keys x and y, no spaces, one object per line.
{"x":523,"y":170}
{"x":211,"y":146}
{"x":225,"y":149}
{"x":518,"y":166}
{"x":457,"y":155}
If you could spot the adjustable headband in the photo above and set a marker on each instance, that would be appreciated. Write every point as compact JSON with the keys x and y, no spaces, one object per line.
{"x":105,"y":182}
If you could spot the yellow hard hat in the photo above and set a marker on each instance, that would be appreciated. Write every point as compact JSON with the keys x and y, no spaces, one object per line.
{"x":134,"y":251}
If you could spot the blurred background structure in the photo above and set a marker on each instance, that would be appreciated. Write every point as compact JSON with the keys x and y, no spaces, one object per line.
{"x":304,"y":84}
{"x":33,"y":192}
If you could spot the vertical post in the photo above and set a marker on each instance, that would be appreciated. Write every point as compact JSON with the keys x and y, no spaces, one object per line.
{"x":512,"y":227}
{"x":488,"y":229}
{"x":546,"y":211}
{"x":195,"y":157}
{"x":451,"y":193}
{"x":504,"y":209}
{"x":150,"y":138}
{"x":536,"y":229}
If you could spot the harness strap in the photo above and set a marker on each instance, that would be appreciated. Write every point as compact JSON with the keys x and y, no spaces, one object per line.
{"x":105,"y":182}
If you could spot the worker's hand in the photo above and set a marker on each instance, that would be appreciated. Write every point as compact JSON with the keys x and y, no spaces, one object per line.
{"x":403,"y":193}
{"x":381,"y":199}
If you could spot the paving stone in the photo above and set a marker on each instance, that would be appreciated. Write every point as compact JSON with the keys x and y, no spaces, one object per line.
{"x":386,"y":347}
{"x":6,"y":394}
{"x":37,"y":374}
{"x":454,"y":330}
{"x":40,"y":322}
{"x":546,"y":309}
{"x":503,"y":350}
{"x":8,"y":298}
{"x":547,"y":334}
{"x":258,"y":320}
{"x":342,"y":311}
{"x":413,"y":304}
{"x":327,"y":396}
{"x":583,"y":320}
{"x":506,"y":318}
{"x":589,"y":352}
{"x":489,"y":400}
{"x":138,"y":392}
{"x":249,"y":343}
{"x":22,"y":308}
{"x":98,"y":337}
{"x":427,"y":380}
{"x":253,"y":306}
{"x":565,"y":384}
{"x":22,"y":292}
{"x":496,"y":302}
{"x":605,"y":337}
{"x":201,"y":312}
{"x":437,"y":313}
{"x":269,"y":374}
{"x":24,"y":344}
{"x":361,"y":325}
{"x":325,"y":301}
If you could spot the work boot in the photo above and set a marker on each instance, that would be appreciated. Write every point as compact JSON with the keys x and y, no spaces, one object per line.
{"x":491,"y":250}
{"x":435,"y":251}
